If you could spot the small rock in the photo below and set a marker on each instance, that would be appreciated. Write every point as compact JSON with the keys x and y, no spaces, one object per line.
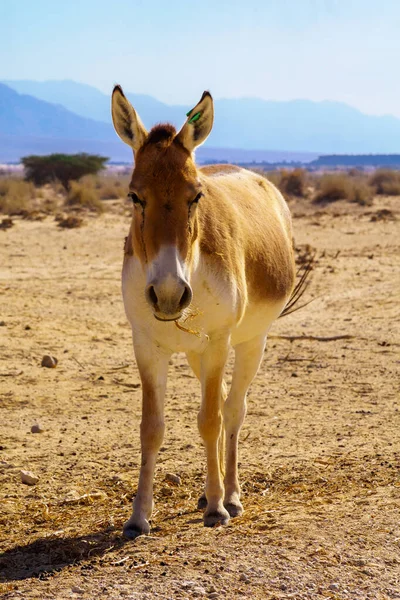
{"x":198,"y":591}
{"x":244,"y":578}
{"x":172,"y":478}
{"x":36,"y":428}
{"x":49,"y":361}
{"x":213,"y":595}
{"x":2,"y":323}
{"x":29,"y":478}
{"x":27,"y":327}
{"x":334,"y":587}
{"x":77,"y":590}
{"x":188,"y":584}
{"x":359,"y":562}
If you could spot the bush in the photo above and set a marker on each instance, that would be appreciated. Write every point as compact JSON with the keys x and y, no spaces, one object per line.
{"x":290,"y":183}
{"x":64,"y":167}
{"x":84,"y":195}
{"x":386,"y":182}
{"x":361,"y":192}
{"x":332,"y":187}
{"x":340,"y":186}
{"x":294,"y":183}
{"x":15,"y":196}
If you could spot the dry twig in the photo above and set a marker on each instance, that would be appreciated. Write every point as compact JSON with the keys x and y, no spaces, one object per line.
{"x":317,"y":338}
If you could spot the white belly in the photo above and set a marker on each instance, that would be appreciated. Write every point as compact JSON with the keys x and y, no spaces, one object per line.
{"x":214,"y":308}
{"x":257,"y":319}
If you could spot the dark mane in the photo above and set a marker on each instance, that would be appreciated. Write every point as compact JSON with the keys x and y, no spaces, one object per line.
{"x":163,"y":132}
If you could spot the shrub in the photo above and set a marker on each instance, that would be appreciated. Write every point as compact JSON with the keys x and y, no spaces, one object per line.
{"x":16,"y":196}
{"x":332,"y":187}
{"x":386,"y":182}
{"x":84,"y":195}
{"x":361,"y":192}
{"x":64,"y":167}
{"x":340,"y":186}
{"x":290,"y":183}
{"x":294,"y":183}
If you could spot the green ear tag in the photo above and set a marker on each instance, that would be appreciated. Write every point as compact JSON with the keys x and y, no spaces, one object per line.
{"x":195,"y":117}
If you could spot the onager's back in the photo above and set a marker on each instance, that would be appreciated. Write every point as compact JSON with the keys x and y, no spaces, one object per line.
{"x":208,"y":265}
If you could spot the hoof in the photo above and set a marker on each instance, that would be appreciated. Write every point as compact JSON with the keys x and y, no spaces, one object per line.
{"x":133,"y":529}
{"x":202,"y":502}
{"x":216,"y":517}
{"x":235,"y":509}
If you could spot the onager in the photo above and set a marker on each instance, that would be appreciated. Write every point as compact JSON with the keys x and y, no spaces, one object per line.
{"x":208,"y":265}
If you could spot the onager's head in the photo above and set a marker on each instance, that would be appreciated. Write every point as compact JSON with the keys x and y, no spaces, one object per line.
{"x":165,"y":190}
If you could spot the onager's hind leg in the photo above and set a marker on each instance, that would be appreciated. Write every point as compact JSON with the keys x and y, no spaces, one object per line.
{"x":212,"y":364}
{"x":194,"y":361}
{"x":248,"y":357}
{"x":153,"y":368}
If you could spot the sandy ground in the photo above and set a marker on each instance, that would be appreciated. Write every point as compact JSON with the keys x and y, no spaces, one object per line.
{"x":320,"y":448}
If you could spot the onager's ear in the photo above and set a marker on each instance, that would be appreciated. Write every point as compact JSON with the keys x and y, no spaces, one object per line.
{"x":126,"y":121}
{"x":199,"y":123}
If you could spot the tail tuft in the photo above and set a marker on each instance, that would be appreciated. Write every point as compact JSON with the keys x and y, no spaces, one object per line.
{"x":303,"y":275}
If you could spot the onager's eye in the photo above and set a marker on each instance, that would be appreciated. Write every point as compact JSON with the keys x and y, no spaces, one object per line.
{"x":196,"y":200}
{"x":135,"y":199}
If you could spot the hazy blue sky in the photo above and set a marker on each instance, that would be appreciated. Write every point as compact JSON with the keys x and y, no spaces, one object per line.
{"x":346,"y":50}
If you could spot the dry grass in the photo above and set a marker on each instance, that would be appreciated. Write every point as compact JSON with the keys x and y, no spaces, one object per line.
{"x":332,"y":187}
{"x":56,"y":188}
{"x":108,"y":187}
{"x":361,"y":192}
{"x":386,"y":182}
{"x":341,"y":186}
{"x":290,"y":182}
{"x":294,"y":183}
{"x":111,"y":188}
{"x":19,"y":197}
{"x":86,"y":523}
{"x":84,"y":195}
{"x":16,"y":196}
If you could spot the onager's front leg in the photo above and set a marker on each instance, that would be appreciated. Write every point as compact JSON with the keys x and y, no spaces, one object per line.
{"x":210,"y":426}
{"x":153,"y":368}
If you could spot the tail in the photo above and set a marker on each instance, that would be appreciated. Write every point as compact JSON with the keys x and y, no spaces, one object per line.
{"x":303,"y":275}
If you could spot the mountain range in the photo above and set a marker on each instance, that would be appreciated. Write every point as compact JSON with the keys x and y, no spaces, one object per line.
{"x":41,"y":117}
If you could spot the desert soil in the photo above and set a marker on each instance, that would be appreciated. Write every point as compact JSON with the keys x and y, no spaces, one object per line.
{"x":320,"y":448}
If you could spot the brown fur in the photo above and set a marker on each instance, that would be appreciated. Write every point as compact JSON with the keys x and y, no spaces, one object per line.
{"x":128,"y":247}
{"x":242,"y":221}
{"x":219,"y":169}
{"x":161,"y":133}
{"x":248,"y":213}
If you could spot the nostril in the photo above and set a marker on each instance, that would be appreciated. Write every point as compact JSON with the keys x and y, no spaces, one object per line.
{"x":186,"y":297}
{"x":152,"y":296}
